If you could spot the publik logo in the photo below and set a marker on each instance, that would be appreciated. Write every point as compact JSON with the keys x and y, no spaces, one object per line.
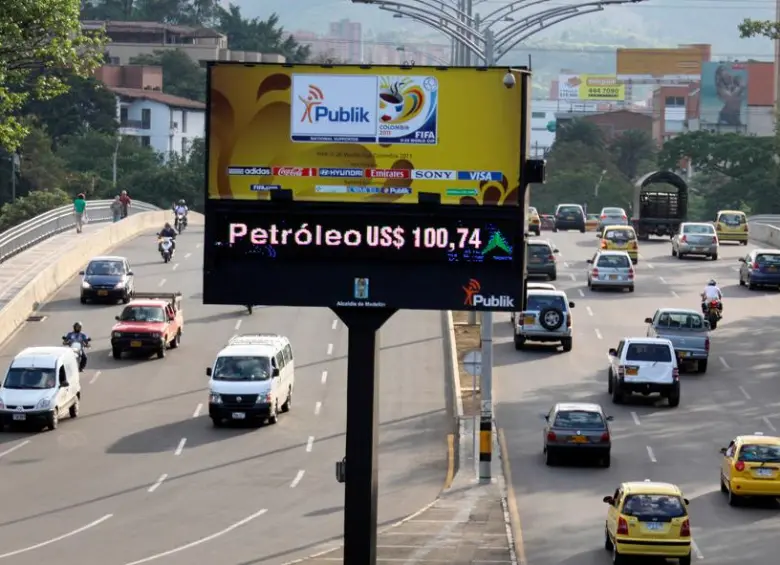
{"x":471,"y":290}
{"x":475,"y":299}
{"x":315,"y":98}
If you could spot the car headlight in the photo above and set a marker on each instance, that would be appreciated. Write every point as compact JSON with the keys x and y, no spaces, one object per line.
{"x":43,"y":403}
{"x":156,"y":335}
{"x":263,"y":398}
{"x":85,"y":284}
{"x":215,"y":398}
{"x":120,"y":284}
{"x":116,"y":334}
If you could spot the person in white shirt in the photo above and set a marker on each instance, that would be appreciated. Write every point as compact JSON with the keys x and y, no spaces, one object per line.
{"x":711,"y":292}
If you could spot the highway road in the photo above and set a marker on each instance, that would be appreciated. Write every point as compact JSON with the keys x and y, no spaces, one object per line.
{"x":561,"y":508}
{"x":142,"y":477}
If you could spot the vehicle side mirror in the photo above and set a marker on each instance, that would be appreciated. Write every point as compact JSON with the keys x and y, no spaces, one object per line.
{"x":608,"y":500}
{"x":648,"y":320}
{"x":544,"y":416}
{"x":706,"y":324}
{"x":64,"y":384}
{"x":556,"y":251}
{"x":571,"y":304}
{"x":741,"y":259}
{"x":116,"y":318}
{"x":613,"y":352}
{"x":686,"y":501}
{"x":208,"y":371}
{"x":723,"y":450}
{"x":275,"y":372}
{"x":589,"y":261}
{"x":81,"y":272}
{"x":610,"y":418}
{"x":130,"y":273}
{"x":64,"y":337}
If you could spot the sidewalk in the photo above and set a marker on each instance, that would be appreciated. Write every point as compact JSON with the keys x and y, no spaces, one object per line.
{"x":20,"y":270}
{"x":465,"y":526}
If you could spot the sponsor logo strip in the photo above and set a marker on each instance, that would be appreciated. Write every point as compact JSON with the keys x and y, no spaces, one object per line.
{"x":480,"y":175}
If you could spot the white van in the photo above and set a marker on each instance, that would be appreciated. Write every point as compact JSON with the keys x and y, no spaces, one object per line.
{"x":252,"y":379}
{"x":41,"y":383}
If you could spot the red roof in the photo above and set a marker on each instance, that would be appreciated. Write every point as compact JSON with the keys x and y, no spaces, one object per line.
{"x":156,"y":96}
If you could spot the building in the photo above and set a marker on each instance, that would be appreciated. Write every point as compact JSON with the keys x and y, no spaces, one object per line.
{"x":162,"y":121}
{"x":616,"y":123}
{"x":674,"y":107}
{"x":349,"y":37}
{"x":131,"y":39}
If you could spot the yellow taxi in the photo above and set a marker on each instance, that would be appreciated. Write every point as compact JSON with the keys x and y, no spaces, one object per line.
{"x":591,"y":222}
{"x":534,"y":221}
{"x":649,"y":519}
{"x":750,"y":467}
{"x":620,"y":238}
{"x":732,"y":225}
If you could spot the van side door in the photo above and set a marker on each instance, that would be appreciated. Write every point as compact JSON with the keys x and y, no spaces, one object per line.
{"x":64,"y":386}
{"x":289,"y":376}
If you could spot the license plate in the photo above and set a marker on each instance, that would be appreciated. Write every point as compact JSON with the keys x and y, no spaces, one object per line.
{"x":20,"y":417}
{"x":238,"y":415}
{"x":579,"y":439}
{"x":102,"y":293}
{"x":528,"y":320}
{"x":536,"y":260}
{"x":654,"y":526}
{"x":772,"y":269}
{"x":632,"y":371}
{"x":135,"y":344}
{"x":699,"y":249}
{"x":613,"y":277}
{"x":683,"y":354}
{"x":764,"y":472}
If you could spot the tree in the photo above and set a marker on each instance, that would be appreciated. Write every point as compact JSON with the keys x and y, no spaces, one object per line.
{"x":265,"y":36}
{"x":27,"y":207}
{"x":181,"y":75}
{"x":40,"y":168}
{"x":580,"y":130}
{"x":630,"y":150}
{"x":326,"y":58}
{"x":759,"y":28}
{"x":184,"y":12}
{"x":36,"y":38}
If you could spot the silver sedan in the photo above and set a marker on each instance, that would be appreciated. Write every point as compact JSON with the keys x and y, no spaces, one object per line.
{"x":695,"y":238}
{"x":577,"y":429}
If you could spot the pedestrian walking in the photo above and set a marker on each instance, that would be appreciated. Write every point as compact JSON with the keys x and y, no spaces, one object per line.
{"x":80,"y":211}
{"x":116,"y":209}
{"x":125,"y":200}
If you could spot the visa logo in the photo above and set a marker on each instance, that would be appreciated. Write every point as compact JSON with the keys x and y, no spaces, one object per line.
{"x":480,"y":175}
{"x":354,"y":114}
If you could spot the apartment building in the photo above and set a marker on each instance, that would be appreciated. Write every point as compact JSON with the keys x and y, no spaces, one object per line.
{"x":131,"y":39}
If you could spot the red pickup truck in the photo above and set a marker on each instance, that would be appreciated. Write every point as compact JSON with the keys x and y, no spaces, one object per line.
{"x":150,"y":323}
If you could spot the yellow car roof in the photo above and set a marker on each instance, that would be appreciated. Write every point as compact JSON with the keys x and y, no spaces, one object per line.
{"x":651,"y":487}
{"x":730,"y":212}
{"x":618,"y":228}
{"x":759,"y":440}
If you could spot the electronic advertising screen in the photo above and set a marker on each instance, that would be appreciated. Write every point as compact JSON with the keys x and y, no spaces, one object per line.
{"x":364,"y":134}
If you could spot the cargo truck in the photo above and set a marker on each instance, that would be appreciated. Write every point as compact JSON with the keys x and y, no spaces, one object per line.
{"x":659,"y":210}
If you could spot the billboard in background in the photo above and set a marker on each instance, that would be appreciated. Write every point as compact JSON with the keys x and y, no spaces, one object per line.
{"x":724,"y":99}
{"x":357,"y":134}
{"x":682,"y":64}
{"x":590,"y":87}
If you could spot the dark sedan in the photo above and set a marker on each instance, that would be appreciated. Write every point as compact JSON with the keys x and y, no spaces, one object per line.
{"x":107,"y":279}
{"x":541,"y":259}
{"x":577,"y":429}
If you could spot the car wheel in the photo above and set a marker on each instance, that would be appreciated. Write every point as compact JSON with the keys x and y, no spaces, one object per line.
{"x":287,"y":403}
{"x":607,"y":541}
{"x":732,"y":498}
{"x":176,"y":340}
{"x":216,"y":422}
{"x":83,"y":300}
{"x":674,"y":399}
{"x":631,"y":288}
{"x":609,"y":382}
{"x":686,"y":560}
{"x":702,"y":368}
{"x":549,"y":458}
{"x":126,"y":298}
{"x":582,"y":230}
{"x":73,"y":411}
{"x":617,"y":394}
{"x":606,"y":460}
{"x":715,"y":257}
{"x":723,"y":488}
{"x":743,"y":242}
{"x":554,"y":276}
{"x":273,"y":417}
{"x":635,"y":261}
{"x":53,"y":420}
{"x":617,"y":558}
{"x":674,"y":252}
{"x":567,"y":344}
{"x":752,"y":285}
{"x":680,"y":256}
{"x":161,"y":351}
{"x":519,"y":342}
{"x":116,"y":353}
{"x":555,"y":230}
{"x":741,"y":281}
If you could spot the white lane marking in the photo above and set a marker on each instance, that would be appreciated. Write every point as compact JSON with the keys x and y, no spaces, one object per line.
{"x":187,"y":256}
{"x":330,"y":349}
{"x":675,"y":294}
{"x":14,"y":448}
{"x":180,"y":447}
{"x":334,"y":325}
{"x":651,"y":455}
{"x":663,"y":280}
{"x":175,"y":266}
{"x":324,"y":377}
{"x":635,"y":417}
{"x":297,"y":479}
{"x":162,"y":282}
{"x":309,"y":444}
{"x":580,"y":291}
{"x":573,"y":277}
{"x":588,"y":310}
{"x":199,"y":246}
{"x":157,"y":483}
{"x":201,"y":540}
{"x":598,"y":334}
{"x":769,"y":424}
{"x":744,"y":392}
{"x":94,"y":377}
{"x":723,"y":362}
{"x":650,"y":266}
{"x":565,"y":264}
{"x":58,"y":538}
{"x":696,"y":551}
{"x":198,"y":408}
{"x":238,"y":325}
{"x":317,"y":408}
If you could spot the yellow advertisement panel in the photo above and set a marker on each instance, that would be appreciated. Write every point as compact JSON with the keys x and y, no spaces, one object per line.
{"x":601,"y":87}
{"x":364,"y":134}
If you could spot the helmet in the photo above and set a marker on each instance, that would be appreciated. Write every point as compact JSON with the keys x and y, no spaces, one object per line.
{"x":167,"y":225}
{"x":712,"y":283}
{"x":182,"y":202}
{"x":77,"y":327}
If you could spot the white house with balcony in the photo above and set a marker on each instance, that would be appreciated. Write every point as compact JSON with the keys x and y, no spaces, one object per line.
{"x":164,"y":122}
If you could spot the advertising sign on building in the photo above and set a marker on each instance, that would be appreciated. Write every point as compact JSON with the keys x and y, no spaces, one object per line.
{"x":590,"y":87}
{"x":363,"y":134}
{"x":724,"y":95}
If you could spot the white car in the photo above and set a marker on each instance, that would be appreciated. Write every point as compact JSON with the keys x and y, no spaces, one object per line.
{"x":546,"y":318}
{"x":532,"y":286}
{"x":644,"y":365}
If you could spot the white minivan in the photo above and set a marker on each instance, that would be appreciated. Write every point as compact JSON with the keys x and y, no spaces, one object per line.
{"x":40,"y":385}
{"x":253,"y":378}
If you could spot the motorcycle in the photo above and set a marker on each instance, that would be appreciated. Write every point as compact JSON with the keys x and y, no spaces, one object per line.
{"x":166,"y":248}
{"x":180,"y":223}
{"x":77,"y":347}
{"x":713,"y":313}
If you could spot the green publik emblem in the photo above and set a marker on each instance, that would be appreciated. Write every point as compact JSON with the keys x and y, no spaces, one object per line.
{"x":497,"y":241}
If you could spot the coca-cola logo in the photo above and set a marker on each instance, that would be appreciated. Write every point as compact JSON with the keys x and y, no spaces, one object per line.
{"x":289,"y":171}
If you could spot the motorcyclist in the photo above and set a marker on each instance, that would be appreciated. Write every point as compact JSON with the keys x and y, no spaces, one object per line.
{"x":711,"y":292}
{"x":180,"y":209}
{"x":81,"y":337}
{"x":168,"y":231}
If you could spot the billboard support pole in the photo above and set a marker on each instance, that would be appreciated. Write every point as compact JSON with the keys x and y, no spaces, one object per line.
{"x":361,"y":477}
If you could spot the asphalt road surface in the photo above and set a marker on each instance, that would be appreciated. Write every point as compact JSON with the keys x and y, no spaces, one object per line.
{"x":561,"y":508}
{"x":142,"y":477}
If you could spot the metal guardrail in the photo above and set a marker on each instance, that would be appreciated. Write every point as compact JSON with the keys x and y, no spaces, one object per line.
{"x":771,"y":219}
{"x":44,"y":226}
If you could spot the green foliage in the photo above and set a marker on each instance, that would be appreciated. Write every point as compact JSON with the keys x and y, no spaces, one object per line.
{"x":265,"y":36}
{"x":759,"y":28}
{"x":36,"y":38}
{"x":181,"y":75}
{"x":27,"y":207}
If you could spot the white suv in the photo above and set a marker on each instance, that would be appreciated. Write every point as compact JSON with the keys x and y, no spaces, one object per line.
{"x":644,"y":365}
{"x":547,"y":317}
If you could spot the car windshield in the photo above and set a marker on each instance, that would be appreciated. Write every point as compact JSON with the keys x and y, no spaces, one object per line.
{"x":593,"y":216}
{"x":768,"y":259}
{"x":579,"y":419}
{"x":539,"y":251}
{"x":613,"y":212}
{"x":569,"y":210}
{"x":620,"y":235}
{"x":760,"y":453}
{"x":732,"y":219}
{"x":30,"y":378}
{"x":653,"y":506}
{"x":682,"y":320}
{"x":532,"y":210}
{"x":538,"y":302}
{"x":109,"y":268}
{"x":143,"y":314}
{"x":242,"y":369}
{"x":614,"y":262}
{"x":705,"y":230}
{"x":656,"y":352}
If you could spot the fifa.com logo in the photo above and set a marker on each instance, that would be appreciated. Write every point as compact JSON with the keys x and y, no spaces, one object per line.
{"x":474,"y":298}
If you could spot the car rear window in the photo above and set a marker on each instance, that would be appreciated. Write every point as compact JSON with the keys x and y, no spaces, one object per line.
{"x":579,"y":419}
{"x":732,"y":219}
{"x":706,"y":230}
{"x":760,"y":453}
{"x":613,"y":212}
{"x":682,"y":320}
{"x":614,"y":262}
{"x":620,"y":235}
{"x":570,"y":210}
{"x":648,"y":352}
{"x":653,"y":506}
{"x":768,"y":259}
{"x":540,"y":302}
{"x":539,"y":250}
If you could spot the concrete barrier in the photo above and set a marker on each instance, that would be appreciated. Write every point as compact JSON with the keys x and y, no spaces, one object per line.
{"x":766,"y":234}
{"x":51,"y":278}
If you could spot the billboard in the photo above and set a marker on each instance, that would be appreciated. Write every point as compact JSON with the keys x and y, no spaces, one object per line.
{"x":682,"y":64}
{"x":590,"y":87}
{"x":363,"y":134}
{"x":724,"y":98}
